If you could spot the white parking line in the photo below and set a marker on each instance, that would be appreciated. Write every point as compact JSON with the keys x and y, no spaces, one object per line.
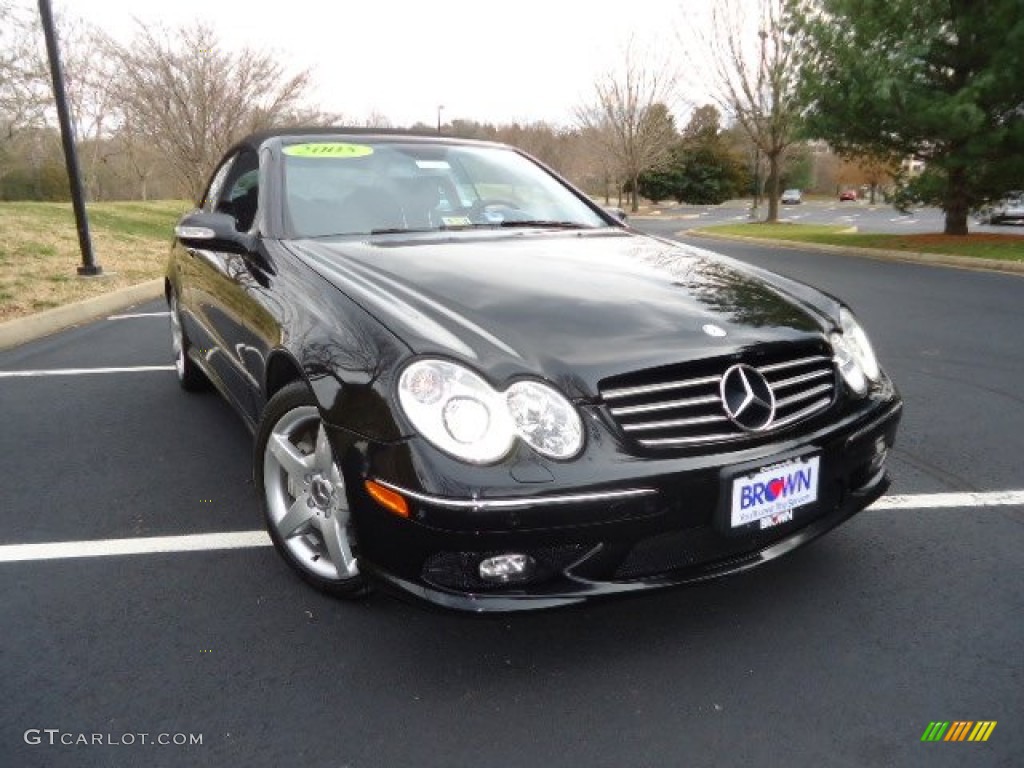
{"x":84,"y":371}
{"x":132,"y":316}
{"x":204,"y":542}
{"x":948,"y":500}
{"x":199,"y":542}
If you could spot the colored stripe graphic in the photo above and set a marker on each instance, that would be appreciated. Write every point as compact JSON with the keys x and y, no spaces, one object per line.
{"x":982,"y":730}
{"x":958,"y":730}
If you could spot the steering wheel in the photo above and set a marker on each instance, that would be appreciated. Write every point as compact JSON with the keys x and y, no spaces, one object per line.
{"x":478,"y":208}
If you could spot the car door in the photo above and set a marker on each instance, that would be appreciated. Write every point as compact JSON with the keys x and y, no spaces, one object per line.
{"x":221,"y":288}
{"x":189,"y":267}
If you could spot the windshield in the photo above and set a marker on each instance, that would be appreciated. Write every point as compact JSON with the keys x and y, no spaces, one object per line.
{"x":336,"y":187}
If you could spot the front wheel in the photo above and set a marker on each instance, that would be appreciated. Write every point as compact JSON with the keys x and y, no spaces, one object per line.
{"x":190,"y":377}
{"x":303,"y":494}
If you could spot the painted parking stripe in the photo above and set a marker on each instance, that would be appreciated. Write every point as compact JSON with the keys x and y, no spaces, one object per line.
{"x":951,"y":500}
{"x":203,"y":542}
{"x":199,"y":542}
{"x":134,"y":315}
{"x":84,"y":371}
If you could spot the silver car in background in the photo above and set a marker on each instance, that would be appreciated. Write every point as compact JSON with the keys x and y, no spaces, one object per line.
{"x":1009,"y":209}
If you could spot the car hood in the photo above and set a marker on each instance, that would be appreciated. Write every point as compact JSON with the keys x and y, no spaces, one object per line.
{"x":573,"y":307}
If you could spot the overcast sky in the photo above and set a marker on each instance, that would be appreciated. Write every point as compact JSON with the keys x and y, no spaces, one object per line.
{"x":511,"y":60}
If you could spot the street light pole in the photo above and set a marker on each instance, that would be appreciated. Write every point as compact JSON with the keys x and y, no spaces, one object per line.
{"x":439,"y":108}
{"x":89,"y":267}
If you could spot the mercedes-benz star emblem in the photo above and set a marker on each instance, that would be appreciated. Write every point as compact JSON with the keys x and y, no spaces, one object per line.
{"x":747,"y":399}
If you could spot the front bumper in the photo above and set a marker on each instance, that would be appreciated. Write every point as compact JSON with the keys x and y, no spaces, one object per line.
{"x":655,"y":525}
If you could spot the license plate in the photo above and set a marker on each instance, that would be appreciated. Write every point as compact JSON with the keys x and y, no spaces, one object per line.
{"x":769,"y":496}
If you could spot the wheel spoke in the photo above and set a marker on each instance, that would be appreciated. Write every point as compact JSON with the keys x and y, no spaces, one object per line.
{"x":296,"y":519}
{"x":177,"y":339}
{"x":323,"y":454}
{"x":307,"y":508}
{"x":335,"y":536}
{"x":290,"y":458}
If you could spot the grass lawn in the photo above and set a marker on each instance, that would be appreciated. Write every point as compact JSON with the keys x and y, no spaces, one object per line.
{"x":39,"y":251}
{"x":978,"y":245}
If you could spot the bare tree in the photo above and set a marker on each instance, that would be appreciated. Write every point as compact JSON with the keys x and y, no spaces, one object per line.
{"x":92,"y":83}
{"x":192,"y":99}
{"x":26,"y":96}
{"x":753,"y":57}
{"x":377,"y":119}
{"x":870,"y":171}
{"x":139,"y":161}
{"x":23,"y":83}
{"x":630,"y":116}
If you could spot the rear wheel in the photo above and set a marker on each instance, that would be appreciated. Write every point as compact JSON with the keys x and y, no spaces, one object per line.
{"x":190,"y":377}
{"x":304,"y":496}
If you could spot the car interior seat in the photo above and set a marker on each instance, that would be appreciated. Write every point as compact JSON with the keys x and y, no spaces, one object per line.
{"x":244,"y":209}
{"x":421,"y":198}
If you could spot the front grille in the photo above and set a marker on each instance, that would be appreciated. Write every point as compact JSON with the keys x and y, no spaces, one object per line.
{"x":681,"y":406}
{"x":674,"y":550}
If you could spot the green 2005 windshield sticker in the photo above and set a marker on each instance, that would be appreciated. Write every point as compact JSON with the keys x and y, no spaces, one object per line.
{"x":330,"y":149}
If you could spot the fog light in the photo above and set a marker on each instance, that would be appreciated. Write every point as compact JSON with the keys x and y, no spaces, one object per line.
{"x":504,"y":568}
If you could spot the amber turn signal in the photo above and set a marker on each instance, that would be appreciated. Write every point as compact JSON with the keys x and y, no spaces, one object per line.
{"x":391,"y":501}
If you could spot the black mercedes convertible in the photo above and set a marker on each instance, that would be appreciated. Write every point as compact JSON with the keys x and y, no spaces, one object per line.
{"x":470,"y":384}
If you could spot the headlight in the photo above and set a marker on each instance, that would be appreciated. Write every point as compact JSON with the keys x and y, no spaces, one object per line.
{"x":457,"y":411}
{"x":854,"y":354}
{"x":545,"y":419}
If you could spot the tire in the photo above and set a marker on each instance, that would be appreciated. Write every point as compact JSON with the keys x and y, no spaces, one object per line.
{"x":303,"y":494}
{"x":190,"y":377}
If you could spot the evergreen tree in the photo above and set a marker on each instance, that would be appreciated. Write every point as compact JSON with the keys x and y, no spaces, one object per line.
{"x":937,"y":80}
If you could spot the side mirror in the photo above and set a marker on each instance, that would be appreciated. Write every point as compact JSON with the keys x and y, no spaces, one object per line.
{"x":618,"y":213}
{"x":200,"y":229}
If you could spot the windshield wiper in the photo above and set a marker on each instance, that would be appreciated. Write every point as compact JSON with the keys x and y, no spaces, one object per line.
{"x":401,"y":230}
{"x":549,"y":224}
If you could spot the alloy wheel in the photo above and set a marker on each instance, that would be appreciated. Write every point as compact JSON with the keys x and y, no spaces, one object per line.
{"x":306,"y":498}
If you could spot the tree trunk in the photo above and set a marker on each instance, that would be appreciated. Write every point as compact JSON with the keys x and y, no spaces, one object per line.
{"x":636,"y":194}
{"x":957,"y":205}
{"x":773,"y":189}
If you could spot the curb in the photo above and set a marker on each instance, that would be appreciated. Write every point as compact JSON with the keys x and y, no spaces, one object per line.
{"x":32,"y":327}
{"x":878,"y":254}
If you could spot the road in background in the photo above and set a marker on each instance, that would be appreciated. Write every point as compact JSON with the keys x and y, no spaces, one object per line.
{"x":879,"y":218}
{"x":840,"y":654}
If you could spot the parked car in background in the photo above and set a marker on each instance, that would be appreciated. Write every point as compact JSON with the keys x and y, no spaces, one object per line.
{"x":1009,"y":209}
{"x":792,"y":197}
{"x":470,"y":384}
{"x":848,"y":195}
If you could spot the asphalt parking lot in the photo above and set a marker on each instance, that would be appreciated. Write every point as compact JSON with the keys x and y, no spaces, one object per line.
{"x":841,"y":654}
{"x":866,"y":217}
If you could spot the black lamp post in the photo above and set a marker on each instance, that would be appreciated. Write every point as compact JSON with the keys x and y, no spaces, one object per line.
{"x":89,"y":267}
